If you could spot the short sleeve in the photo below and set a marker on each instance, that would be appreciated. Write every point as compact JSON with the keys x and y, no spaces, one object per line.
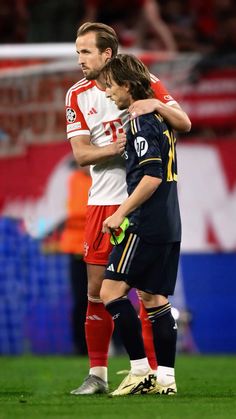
{"x":75,"y":122}
{"x":147,"y":148}
{"x":161,"y":92}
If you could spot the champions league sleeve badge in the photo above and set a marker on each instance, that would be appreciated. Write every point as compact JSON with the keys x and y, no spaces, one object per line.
{"x":70,"y":115}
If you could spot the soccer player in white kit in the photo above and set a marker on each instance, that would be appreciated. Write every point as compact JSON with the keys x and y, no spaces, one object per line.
{"x":96,"y":130}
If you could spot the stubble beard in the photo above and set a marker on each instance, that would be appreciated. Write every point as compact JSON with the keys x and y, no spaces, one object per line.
{"x":123,"y":105}
{"x":92,"y":75}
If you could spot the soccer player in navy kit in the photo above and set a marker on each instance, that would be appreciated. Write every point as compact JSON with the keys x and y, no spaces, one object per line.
{"x":148,"y":256}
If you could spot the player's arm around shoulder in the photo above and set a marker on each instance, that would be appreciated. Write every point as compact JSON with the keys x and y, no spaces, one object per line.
{"x":172,"y":113}
{"x":165,"y":105}
{"x":86,"y":153}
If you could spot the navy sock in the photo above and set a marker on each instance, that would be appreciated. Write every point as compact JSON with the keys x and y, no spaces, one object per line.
{"x":129,"y":326}
{"x":164,"y":334}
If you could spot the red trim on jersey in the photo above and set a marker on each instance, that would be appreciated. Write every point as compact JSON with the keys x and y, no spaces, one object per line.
{"x":72,"y":103}
{"x":160,"y":91}
{"x":99,"y":88}
{"x":78,"y":124}
{"x":79,"y":87}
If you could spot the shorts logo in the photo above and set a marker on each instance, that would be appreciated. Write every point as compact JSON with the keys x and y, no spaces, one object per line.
{"x":111,"y":268}
{"x":70,"y":115}
{"x":86,"y":249}
{"x":141,"y":146}
{"x":94,"y":317}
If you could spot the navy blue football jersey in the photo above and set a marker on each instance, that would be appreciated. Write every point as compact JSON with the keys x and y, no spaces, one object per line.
{"x":151,"y":150}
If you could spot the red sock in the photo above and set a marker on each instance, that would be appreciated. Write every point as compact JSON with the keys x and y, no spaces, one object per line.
{"x":98,"y":328}
{"x":147,"y":337}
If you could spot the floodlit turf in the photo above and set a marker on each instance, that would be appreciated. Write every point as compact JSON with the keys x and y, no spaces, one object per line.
{"x":38,"y":387}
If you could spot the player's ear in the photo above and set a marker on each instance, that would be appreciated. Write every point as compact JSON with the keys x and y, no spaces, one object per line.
{"x":108,"y":53}
{"x":127,"y":86}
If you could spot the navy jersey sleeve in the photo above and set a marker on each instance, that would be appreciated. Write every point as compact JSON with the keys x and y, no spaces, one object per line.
{"x":146,"y":137}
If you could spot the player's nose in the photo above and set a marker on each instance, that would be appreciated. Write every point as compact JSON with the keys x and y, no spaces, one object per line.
{"x":80,"y":60}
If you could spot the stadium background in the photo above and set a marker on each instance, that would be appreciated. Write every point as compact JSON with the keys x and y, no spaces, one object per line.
{"x":35,"y":164}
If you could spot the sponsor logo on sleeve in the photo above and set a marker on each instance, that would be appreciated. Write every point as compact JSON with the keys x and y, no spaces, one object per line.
{"x":72,"y":127}
{"x":168,"y":98}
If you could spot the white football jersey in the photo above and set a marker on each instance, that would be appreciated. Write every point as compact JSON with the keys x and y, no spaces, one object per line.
{"x":90,"y":112}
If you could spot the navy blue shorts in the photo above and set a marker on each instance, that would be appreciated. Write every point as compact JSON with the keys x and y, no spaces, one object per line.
{"x":146,"y":266}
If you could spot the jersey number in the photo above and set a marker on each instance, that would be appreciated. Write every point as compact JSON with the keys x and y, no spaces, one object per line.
{"x":171,"y":166}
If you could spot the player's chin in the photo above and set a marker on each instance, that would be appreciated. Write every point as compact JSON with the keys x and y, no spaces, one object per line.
{"x":88,"y":74}
{"x":119,"y":104}
{"x":91,"y":75}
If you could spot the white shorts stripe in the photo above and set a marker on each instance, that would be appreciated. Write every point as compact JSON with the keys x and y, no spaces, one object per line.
{"x":132,"y":244}
{"x":132,"y":255}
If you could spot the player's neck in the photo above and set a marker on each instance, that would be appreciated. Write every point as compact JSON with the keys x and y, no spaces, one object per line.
{"x":100,"y":82}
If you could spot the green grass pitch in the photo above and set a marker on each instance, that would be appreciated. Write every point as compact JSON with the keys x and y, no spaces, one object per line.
{"x":38,"y":388}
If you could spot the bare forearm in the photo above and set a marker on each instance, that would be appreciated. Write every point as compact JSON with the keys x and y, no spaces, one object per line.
{"x":152,"y":13}
{"x":141,"y":194}
{"x":175,"y":116}
{"x":86,"y":153}
{"x":91,"y":154}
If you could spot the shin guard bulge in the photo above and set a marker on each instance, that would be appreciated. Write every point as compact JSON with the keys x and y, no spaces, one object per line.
{"x":98,"y":328}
